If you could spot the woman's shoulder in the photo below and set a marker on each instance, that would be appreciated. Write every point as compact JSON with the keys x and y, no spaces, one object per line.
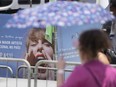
{"x":80,"y":70}
{"x":110,"y":76}
{"x":81,"y":74}
{"x":110,"y":70}
{"x":103,"y":58}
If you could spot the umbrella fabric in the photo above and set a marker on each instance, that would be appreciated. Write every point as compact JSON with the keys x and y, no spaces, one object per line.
{"x":60,"y":13}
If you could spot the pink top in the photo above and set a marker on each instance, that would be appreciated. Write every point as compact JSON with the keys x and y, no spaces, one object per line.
{"x":81,"y":77}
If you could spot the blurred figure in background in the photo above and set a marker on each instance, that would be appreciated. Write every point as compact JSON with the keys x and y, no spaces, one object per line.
{"x":113,"y":26}
{"x":92,"y":72}
{"x":110,"y":28}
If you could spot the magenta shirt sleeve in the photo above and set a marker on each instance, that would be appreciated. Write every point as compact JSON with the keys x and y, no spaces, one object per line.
{"x":76,"y":78}
{"x":80,"y":77}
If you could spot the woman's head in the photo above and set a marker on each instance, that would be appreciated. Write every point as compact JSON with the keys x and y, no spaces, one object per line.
{"x":91,"y":42}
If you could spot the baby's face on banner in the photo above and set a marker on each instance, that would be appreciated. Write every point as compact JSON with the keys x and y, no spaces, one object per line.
{"x":42,"y":50}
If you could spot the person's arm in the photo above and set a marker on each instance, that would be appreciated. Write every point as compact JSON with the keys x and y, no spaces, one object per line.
{"x":74,"y":80}
{"x":103,"y":58}
{"x":60,"y":78}
{"x":60,"y":72}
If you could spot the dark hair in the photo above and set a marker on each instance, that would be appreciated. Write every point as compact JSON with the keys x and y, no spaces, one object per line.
{"x":93,"y":41}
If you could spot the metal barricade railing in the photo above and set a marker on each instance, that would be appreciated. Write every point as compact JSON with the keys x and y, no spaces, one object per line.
{"x":51,"y":62}
{"x":33,"y":68}
{"x":25,"y":67}
{"x":37,"y":66}
{"x":20,"y":60}
{"x":8,"y":68}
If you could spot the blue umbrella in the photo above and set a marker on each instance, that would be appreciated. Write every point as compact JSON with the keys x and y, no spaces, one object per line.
{"x":60,"y":13}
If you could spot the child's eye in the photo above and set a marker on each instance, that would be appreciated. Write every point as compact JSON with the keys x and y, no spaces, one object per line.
{"x":47,"y":44}
{"x":33,"y":44}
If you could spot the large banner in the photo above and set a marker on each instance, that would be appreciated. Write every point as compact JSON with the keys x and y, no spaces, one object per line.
{"x":12,"y":40}
{"x":12,"y":43}
{"x":32,"y":45}
{"x":27,"y":43}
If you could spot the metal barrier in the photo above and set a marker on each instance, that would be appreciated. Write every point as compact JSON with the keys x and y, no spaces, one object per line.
{"x":8,"y":68}
{"x":51,"y":62}
{"x":19,"y":60}
{"x":35,"y":68}
{"x":25,"y":67}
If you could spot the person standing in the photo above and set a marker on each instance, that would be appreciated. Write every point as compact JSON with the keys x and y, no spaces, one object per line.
{"x":92,"y":72}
